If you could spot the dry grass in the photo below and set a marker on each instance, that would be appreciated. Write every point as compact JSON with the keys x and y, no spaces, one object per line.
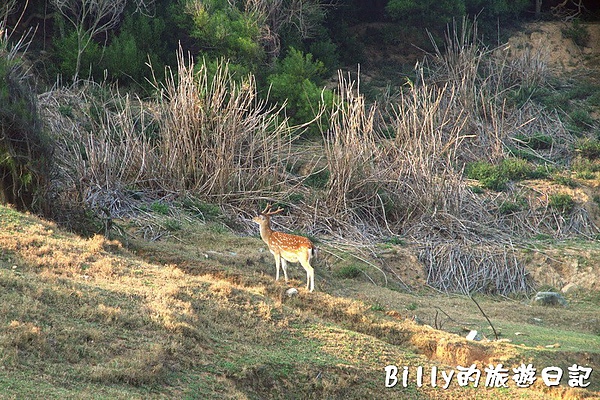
{"x":217,"y":137}
{"x":412,"y":184}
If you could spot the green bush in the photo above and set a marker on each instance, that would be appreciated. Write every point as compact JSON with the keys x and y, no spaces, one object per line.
{"x":588,"y":148}
{"x":518,"y":203}
{"x":580,"y":119}
{"x":488,"y":174}
{"x":521,"y":95}
{"x":318,"y":180}
{"x":124,"y":60}
{"x":159,"y":208}
{"x":349,"y":272}
{"x":428,"y":13}
{"x":509,"y":207}
{"x":594,"y":99}
{"x":492,"y":11}
{"x":326,"y":52}
{"x":577,"y":33}
{"x":435,"y":14}
{"x":237,"y":72}
{"x":221,"y":29}
{"x":554,"y":100}
{"x":202,"y":209}
{"x":65,"y":54}
{"x":25,"y":149}
{"x":524,"y":153}
{"x":296,"y":81}
{"x":496,"y":177}
{"x":476,"y":189}
{"x":173,"y":225}
{"x":140,"y":39}
{"x":581,"y":90}
{"x":561,"y":202}
{"x":516,"y":169}
{"x":537,"y":141}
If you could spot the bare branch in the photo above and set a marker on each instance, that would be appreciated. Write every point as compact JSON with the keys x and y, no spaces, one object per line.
{"x":274,"y":15}
{"x":567,"y":13}
{"x":90,"y":18}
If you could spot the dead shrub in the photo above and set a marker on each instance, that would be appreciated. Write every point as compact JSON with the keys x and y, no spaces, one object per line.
{"x":217,"y":137}
{"x":353,"y":158}
{"x":455,"y":267}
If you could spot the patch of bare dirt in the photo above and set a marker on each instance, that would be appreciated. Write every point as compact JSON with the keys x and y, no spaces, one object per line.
{"x":560,"y":52}
{"x":567,"y":268}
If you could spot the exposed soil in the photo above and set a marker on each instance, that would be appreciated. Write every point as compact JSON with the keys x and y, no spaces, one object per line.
{"x":560,"y":52}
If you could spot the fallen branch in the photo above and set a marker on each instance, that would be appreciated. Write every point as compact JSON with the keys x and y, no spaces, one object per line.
{"x":486,"y":317}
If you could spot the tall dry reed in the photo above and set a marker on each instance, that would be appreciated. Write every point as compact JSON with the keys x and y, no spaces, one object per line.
{"x":353,"y":155}
{"x":218,"y":138}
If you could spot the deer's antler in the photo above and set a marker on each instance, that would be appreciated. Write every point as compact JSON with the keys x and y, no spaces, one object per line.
{"x":267,"y":211}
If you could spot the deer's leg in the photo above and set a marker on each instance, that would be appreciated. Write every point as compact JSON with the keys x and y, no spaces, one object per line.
{"x":310,"y":275}
{"x":284,"y":267}
{"x":277,"y":264}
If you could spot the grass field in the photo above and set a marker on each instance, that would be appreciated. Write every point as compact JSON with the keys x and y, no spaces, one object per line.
{"x":199,"y":315}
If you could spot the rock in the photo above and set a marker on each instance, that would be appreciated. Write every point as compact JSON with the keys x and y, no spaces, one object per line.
{"x":291,"y":292}
{"x":569,"y":288}
{"x":549,"y":299}
{"x":474,"y":335}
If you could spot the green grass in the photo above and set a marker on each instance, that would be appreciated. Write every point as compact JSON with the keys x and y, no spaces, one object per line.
{"x":201,"y":209}
{"x":160,"y":208}
{"x":588,"y":148}
{"x":565,"y":180}
{"x":496,"y":177}
{"x":535,"y":336}
{"x":580,"y":119}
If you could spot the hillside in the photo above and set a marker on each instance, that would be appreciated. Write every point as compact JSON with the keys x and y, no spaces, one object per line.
{"x":199,"y":315}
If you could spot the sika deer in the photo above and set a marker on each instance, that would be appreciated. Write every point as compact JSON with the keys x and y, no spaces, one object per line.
{"x":286,"y":247}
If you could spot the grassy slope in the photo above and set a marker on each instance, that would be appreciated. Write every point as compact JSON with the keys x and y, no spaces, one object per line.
{"x":201,"y":317}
